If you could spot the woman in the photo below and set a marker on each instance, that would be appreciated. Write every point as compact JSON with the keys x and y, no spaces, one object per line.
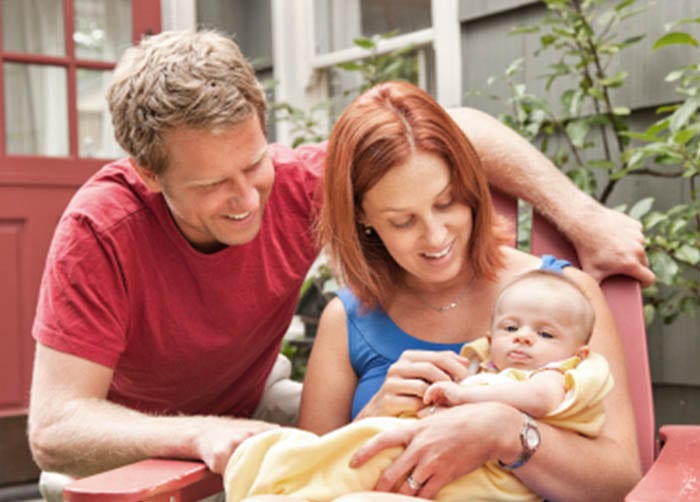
{"x":408,"y":223}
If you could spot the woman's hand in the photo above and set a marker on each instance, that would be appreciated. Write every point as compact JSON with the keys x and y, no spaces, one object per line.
{"x":444,"y":446}
{"x":409,"y":377}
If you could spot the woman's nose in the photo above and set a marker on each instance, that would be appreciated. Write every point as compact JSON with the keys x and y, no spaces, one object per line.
{"x":435,"y":232}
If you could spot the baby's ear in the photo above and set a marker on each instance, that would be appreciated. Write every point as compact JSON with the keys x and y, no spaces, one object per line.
{"x":583,"y":351}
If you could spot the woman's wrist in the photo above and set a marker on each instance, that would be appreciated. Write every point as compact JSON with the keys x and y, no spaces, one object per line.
{"x":508,"y":445}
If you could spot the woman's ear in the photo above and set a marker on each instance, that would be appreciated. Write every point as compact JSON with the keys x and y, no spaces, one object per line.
{"x":149,"y":178}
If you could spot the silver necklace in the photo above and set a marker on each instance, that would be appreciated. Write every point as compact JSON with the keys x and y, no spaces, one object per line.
{"x":450,"y":306}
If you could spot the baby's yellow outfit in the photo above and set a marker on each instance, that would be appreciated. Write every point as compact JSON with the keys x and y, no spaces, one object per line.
{"x":298,"y":463}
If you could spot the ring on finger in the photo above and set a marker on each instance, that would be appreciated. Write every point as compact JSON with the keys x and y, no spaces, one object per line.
{"x":413,"y":484}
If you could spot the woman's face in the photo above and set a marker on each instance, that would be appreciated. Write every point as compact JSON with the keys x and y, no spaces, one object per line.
{"x":414,"y":210}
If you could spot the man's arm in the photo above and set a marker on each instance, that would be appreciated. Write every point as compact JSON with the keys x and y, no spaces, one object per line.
{"x":608,"y":242}
{"x":73,"y":429}
{"x":535,"y":396}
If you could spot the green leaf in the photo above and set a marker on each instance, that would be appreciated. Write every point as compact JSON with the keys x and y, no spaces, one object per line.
{"x":641,"y":208}
{"x":350,"y":66}
{"x":625,"y":3}
{"x":653,"y":219}
{"x":621,"y":110}
{"x":675,"y":37}
{"x":365,"y":43}
{"x":649,"y":312}
{"x":675,"y":75}
{"x":577,"y":130}
{"x":684,"y":135}
{"x":688,"y":254}
{"x":615,"y":81}
{"x":681,"y":116}
{"x":664,"y":267}
{"x":523,"y":30}
{"x":602,"y":164}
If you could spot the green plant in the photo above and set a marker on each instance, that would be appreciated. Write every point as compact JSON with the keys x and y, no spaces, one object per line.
{"x":399,"y":64}
{"x":588,"y":136}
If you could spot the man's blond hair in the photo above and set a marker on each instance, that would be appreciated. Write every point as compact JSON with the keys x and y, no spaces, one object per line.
{"x":180,"y":78}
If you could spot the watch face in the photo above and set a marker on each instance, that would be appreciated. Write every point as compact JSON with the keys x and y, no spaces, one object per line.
{"x":532,"y":438}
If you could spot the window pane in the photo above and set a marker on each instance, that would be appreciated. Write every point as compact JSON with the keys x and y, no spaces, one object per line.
{"x":382,"y":16}
{"x":36,"y":116}
{"x":95,"y":132}
{"x":33,"y":26}
{"x":102,"y":28}
{"x":339,"y":22}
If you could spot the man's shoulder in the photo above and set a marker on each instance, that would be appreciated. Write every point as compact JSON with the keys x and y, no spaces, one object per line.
{"x":310,"y":157}
{"x":114,"y":194}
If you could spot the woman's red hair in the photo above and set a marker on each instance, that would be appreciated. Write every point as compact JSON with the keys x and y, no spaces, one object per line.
{"x":379,"y":130}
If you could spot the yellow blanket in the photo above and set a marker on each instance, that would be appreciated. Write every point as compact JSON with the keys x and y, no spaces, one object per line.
{"x":290,"y":461}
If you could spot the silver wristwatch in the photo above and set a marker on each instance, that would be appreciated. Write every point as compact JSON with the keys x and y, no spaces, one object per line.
{"x":530,"y":439}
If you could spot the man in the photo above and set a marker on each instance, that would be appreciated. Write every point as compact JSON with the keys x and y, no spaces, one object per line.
{"x":173,"y":274}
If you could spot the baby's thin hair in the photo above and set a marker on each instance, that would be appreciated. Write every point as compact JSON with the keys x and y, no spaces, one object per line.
{"x":589,"y":314}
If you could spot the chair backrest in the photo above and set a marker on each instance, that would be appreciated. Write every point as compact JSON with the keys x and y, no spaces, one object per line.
{"x":624,"y":298}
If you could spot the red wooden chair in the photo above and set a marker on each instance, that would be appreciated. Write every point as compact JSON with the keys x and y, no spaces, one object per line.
{"x":672,"y":475}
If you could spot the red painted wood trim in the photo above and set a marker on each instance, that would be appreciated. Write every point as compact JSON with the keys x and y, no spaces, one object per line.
{"x":145,"y":18}
{"x":152,"y":479}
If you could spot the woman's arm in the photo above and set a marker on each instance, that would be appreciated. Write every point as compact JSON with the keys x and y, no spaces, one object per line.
{"x":608,"y":242}
{"x":330,"y":381}
{"x":567,"y":466}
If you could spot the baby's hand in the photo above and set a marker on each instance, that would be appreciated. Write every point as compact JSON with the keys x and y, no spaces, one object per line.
{"x":443,"y":394}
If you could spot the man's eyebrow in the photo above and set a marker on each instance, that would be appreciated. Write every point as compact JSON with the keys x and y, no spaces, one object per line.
{"x":400,"y":209}
{"x":210,"y":181}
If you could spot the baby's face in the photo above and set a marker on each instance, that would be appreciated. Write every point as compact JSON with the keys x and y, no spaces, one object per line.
{"x":535,"y":324}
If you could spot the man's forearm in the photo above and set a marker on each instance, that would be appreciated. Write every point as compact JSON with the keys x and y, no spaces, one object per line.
{"x":516,"y":167}
{"x":92,"y":435}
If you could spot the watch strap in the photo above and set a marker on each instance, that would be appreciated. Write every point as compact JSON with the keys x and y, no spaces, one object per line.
{"x":527,"y":452}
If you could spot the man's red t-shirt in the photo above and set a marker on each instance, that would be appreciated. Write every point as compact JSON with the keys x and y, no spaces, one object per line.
{"x":185,"y":332}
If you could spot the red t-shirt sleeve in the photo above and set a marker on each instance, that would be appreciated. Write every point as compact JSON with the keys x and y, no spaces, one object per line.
{"x":82,"y":308}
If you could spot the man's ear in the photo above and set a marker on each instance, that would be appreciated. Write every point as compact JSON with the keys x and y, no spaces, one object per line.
{"x":149,"y":178}
{"x":583,"y":351}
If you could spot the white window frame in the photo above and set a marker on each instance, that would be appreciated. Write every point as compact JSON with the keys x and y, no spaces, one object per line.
{"x":302,"y":74}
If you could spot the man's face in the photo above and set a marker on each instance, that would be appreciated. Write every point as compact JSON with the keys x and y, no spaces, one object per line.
{"x":216,"y":183}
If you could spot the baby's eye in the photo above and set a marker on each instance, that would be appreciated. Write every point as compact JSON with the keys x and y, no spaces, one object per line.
{"x":545,"y":334}
{"x":511,"y":328}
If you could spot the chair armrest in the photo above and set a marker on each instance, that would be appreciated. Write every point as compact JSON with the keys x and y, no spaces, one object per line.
{"x":675,"y":475}
{"x":152,"y":479}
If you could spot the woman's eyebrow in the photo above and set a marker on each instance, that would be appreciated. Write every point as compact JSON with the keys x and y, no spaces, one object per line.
{"x":400,"y":209}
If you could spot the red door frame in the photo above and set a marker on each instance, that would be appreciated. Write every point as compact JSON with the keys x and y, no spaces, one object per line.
{"x":33,"y":192}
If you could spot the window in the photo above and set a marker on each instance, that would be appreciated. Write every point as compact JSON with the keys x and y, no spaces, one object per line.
{"x":57,"y":61}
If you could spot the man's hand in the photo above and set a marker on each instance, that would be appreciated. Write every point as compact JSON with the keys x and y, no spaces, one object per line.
{"x":220,"y":436}
{"x":613,"y":245}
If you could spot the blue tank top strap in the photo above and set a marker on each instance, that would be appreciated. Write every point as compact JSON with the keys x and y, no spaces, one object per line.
{"x":550,"y":262}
